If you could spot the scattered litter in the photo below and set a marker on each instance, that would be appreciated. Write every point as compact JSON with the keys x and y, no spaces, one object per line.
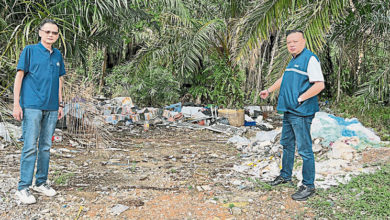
{"x":175,"y":107}
{"x":9,"y":131}
{"x":253,"y":111}
{"x":267,"y":135}
{"x":248,"y":119}
{"x":118,"y":209}
{"x":236,"y":139}
{"x":124,"y":101}
{"x":79,"y":212}
{"x":257,"y":152}
{"x":335,"y":144}
{"x":188,"y":111}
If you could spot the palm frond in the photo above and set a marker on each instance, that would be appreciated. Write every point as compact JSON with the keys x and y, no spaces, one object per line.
{"x":198,"y":44}
{"x":313,"y":18}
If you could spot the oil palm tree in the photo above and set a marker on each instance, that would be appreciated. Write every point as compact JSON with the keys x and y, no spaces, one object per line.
{"x":263,"y":28}
{"x":361,"y":40}
{"x":242,"y":32}
{"x":186,"y":40}
{"x":83,"y":23}
{"x":186,"y":37}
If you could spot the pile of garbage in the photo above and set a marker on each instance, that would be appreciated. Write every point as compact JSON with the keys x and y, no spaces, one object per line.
{"x":337,"y":142}
{"x":337,"y":145}
{"x":101,"y":116}
{"x":121,"y":111}
{"x":331,"y":129}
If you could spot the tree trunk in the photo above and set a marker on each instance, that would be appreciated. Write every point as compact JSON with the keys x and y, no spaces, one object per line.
{"x":274,"y":46}
{"x":329,"y":71}
{"x":104,"y":68}
{"x":338,"y":81}
{"x":259,"y":84}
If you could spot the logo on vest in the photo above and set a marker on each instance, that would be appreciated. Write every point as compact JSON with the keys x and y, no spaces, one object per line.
{"x":296,"y":65}
{"x":58,"y":63}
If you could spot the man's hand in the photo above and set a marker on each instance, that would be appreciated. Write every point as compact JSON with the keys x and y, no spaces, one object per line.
{"x":60,"y":112}
{"x":17,"y":112}
{"x":264,"y":94}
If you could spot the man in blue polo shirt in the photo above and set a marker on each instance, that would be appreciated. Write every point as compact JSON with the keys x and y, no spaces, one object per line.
{"x":38,"y":103}
{"x":299,"y":86}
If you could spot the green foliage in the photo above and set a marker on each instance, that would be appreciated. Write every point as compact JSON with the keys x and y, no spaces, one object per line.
{"x":63,"y":178}
{"x":227,"y":88}
{"x":7,"y":73}
{"x":180,"y":35}
{"x":93,"y":68}
{"x":220,"y":84}
{"x":364,"y":197}
{"x":270,"y":15}
{"x":375,"y":83}
{"x":360,"y":43}
{"x":201,"y":89}
{"x":158,"y":87}
{"x":82,"y":23}
{"x":368,"y":112}
{"x":253,"y":97}
{"x":155,"y":87}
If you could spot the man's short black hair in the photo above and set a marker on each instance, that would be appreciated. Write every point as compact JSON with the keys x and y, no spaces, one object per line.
{"x":47,"y":20}
{"x":288,"y":32}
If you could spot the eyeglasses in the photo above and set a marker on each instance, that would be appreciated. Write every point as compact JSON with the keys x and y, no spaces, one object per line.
{"x":48,"y":32}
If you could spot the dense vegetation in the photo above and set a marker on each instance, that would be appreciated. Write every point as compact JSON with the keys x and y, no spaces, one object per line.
{"x":212,"y":51}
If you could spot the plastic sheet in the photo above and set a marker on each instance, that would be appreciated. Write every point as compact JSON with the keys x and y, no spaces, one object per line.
{"x":331,"y":128}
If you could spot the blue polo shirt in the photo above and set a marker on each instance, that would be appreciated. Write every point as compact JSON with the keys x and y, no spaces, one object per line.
{"x":42,"y":70}
{"x":299,"y":76}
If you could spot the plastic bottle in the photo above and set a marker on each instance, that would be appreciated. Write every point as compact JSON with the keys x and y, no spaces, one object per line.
{"x":146,"y":125}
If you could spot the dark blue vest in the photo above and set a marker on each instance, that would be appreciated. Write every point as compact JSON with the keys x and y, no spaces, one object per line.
{"x":295,"y":82}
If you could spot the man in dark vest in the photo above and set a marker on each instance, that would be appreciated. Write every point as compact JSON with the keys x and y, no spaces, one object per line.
{"x":299,"y":86}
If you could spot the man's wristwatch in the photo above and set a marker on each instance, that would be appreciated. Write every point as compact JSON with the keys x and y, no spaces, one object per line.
{"x":61,"y":104}
{"x":300,"y":100}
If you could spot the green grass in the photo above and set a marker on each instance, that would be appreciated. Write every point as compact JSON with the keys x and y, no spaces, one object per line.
{"x":260,"y":185}
{"x":366,"y":196}
{"x":63,"y":179}
{"x":133,"y":166}
{"x":298,"y":163}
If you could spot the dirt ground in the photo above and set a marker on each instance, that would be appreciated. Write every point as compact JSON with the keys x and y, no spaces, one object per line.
{"x":163,"y":173}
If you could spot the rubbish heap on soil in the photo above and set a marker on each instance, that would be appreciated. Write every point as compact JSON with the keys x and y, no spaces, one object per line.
{"x":337,"y":142}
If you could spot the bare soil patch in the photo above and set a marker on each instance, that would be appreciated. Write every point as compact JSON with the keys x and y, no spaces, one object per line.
{"x":164,"y":173}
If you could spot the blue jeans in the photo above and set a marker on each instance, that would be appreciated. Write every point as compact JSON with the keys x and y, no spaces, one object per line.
{"x":37,"y":124}
{"x":296,"y":130}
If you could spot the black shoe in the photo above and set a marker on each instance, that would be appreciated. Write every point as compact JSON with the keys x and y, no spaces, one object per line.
{"x":279,"y":180}
{"x":303,"y":193}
